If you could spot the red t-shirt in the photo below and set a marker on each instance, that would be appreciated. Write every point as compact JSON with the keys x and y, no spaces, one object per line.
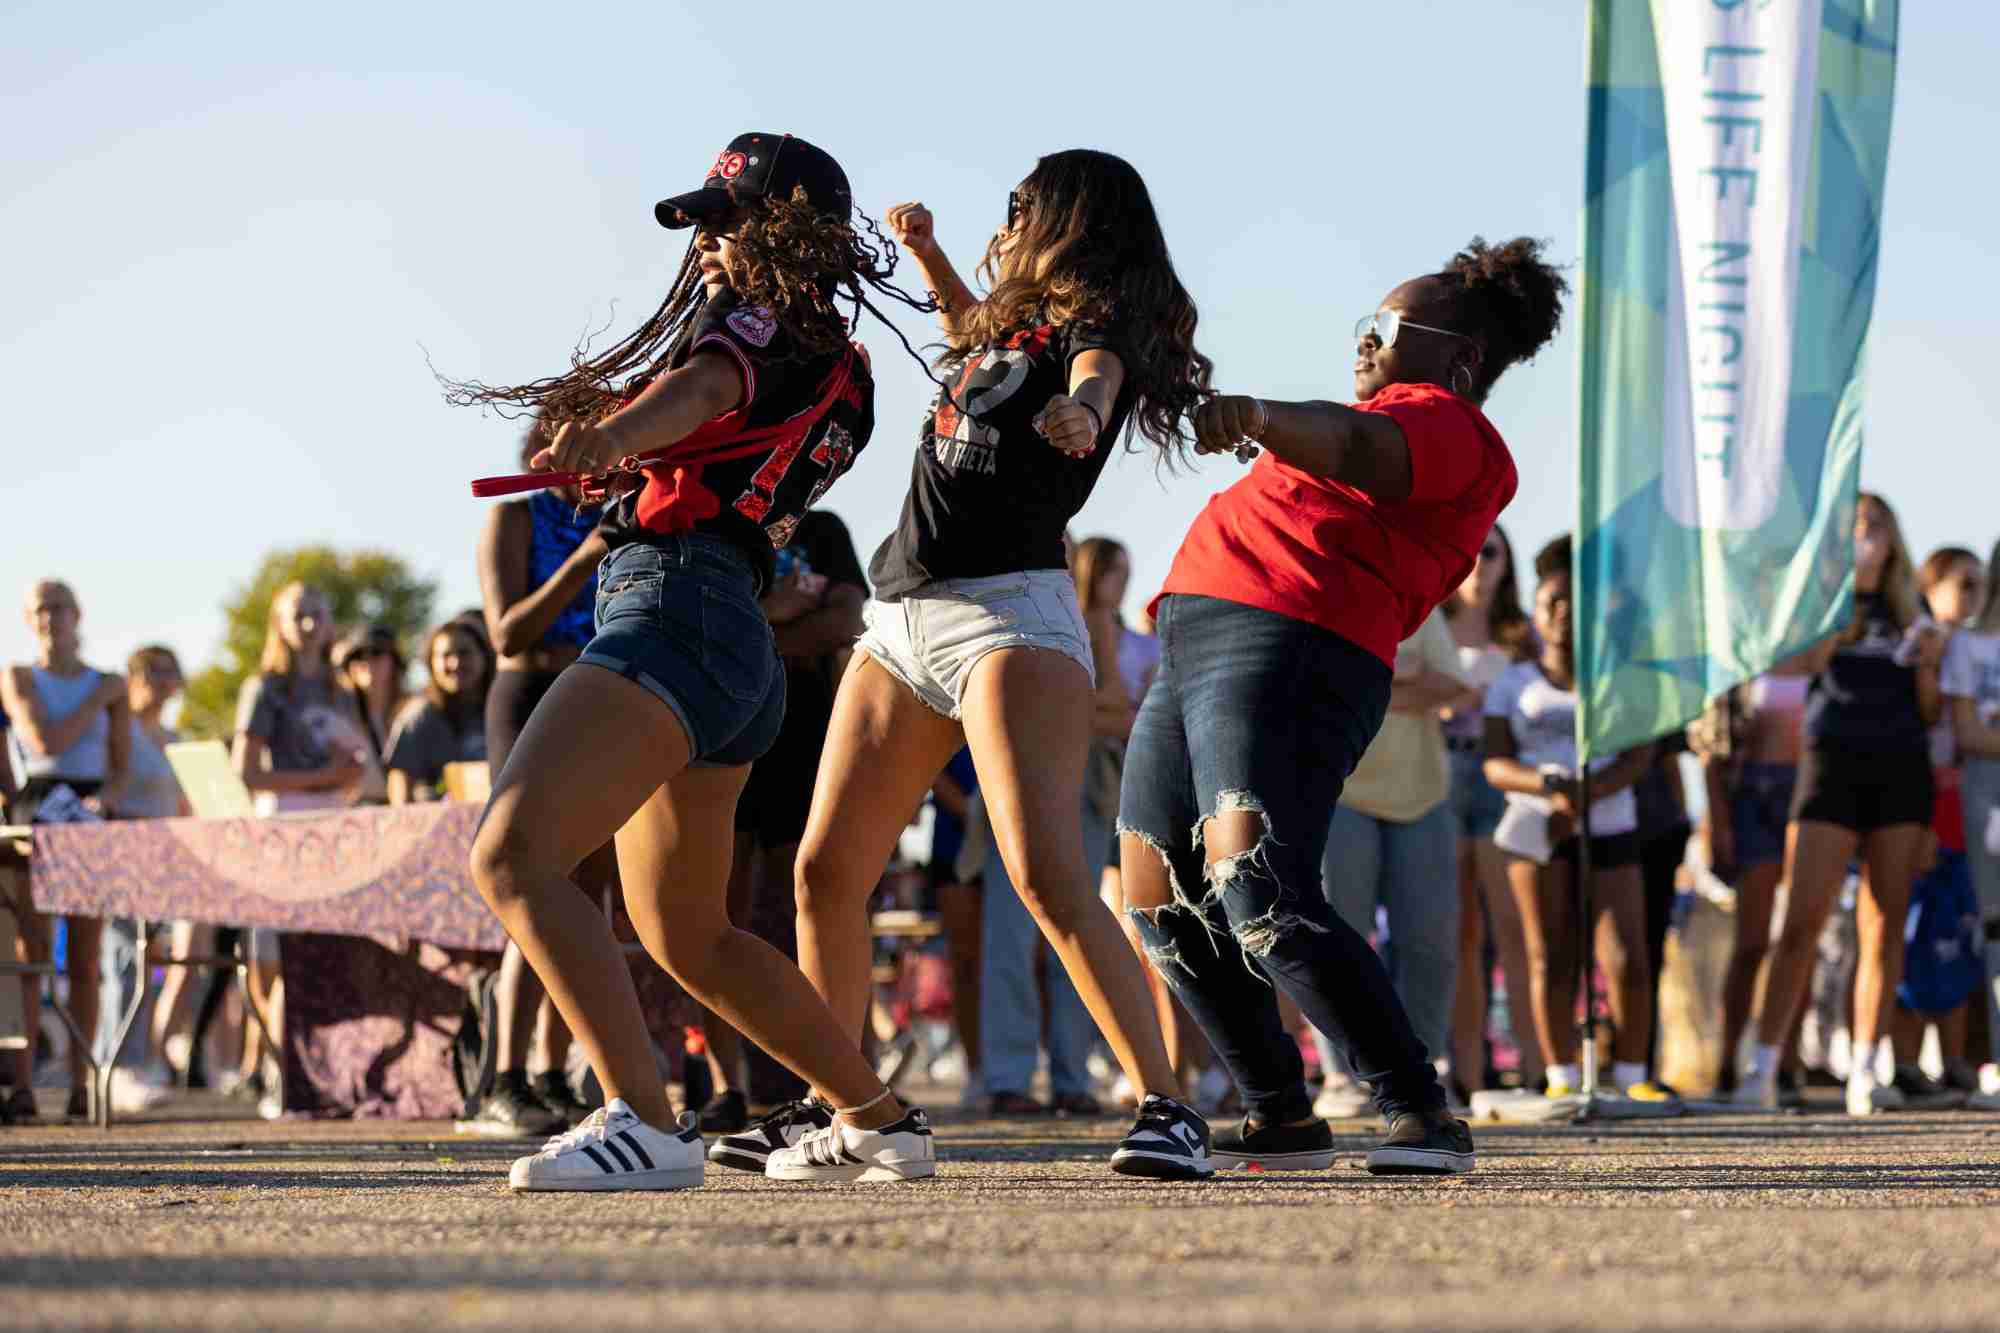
{"x":1322,"y":552}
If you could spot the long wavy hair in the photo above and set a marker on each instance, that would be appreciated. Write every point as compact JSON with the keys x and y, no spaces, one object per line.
{"x":1093,"y":559}
{"x":1899,"y":574}
{"x":1090,"y":251}
{"x":787,"y":256}
{"x":1508,"y":624}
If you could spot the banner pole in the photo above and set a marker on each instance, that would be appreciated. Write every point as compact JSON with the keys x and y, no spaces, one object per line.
{"x":1586,"y":956}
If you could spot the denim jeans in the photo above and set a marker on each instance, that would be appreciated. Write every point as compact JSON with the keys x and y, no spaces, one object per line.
{"x":1410,"y":871}
{"x":1980,"y":784}
{"x":119,"y":974}
{"x":1255,"y":711}
{"x":1010,"y":1004}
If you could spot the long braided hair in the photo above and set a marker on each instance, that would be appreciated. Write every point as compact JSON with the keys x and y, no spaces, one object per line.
{"x":787,"y":256}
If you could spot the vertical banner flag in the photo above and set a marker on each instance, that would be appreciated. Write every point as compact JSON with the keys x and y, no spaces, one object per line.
{"x":1731,"y":229}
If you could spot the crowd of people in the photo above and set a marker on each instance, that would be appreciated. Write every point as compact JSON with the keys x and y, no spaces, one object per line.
{"x":1267,"y":855}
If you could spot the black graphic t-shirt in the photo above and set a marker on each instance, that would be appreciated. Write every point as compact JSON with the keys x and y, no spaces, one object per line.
{"x":757,"y":468}
{"x":1866,"y":699}
{"x":989,"y":495}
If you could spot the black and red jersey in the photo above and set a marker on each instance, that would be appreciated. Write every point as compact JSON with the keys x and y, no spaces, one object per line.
{"x":799,"y":426}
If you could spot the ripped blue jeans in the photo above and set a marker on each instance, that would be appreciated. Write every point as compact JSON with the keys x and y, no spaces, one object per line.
{"x":1256,"y":711}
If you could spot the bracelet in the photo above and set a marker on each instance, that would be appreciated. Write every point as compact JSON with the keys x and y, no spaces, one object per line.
{"x":1097,"y":430}
{"x":876,"y":1100}
{"x":1263,"y":420}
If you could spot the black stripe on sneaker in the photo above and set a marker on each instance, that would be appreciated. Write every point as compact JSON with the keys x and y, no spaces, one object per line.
{"x":598,"y":1158}
{"x":624,"y":1163}
{"x":625,"y":1135}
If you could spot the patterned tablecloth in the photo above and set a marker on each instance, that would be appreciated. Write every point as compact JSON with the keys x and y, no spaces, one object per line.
{"x":397,"y":872}
{"x":384,"y":932}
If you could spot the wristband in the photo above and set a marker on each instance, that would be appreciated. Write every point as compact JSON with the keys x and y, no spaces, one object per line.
{"x":1263,"y":420}
{"x":1097,"y":428}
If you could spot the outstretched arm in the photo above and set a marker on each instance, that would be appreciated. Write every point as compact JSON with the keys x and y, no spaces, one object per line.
{"x":671,"y":408}
{"x":1365,"y":450}
{"x":912,"y":225}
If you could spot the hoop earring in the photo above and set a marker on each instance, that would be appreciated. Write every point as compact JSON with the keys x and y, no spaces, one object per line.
{"x":1466,"y":392}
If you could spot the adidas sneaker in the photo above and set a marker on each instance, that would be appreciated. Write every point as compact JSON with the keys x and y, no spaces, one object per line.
{"x":613,"y":1149}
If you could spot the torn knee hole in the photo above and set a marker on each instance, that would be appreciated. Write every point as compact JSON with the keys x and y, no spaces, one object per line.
{"x":1260,"y":935}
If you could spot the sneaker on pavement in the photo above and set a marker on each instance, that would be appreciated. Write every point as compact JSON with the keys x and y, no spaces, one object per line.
{"x":1865,"y":1096}
{"x":1646,"y":1090}
{"x":1168,"y":1142}
{"x":751,"y":1150}
{"x":1987,"y":1098}
{"x":1273,"y":1147}
{"x":899,"y":1151}
{"x":1424,"y":1143}
{"x":613,"y":1149}
{"x":726,"y":1113}
{"x":551,"y":1088}
{"x":131,"y":1094}
{"x":1921,"y":1092}
{"x":512,"y":1111}
{"x":1761,"y":1091}
{"x":1341,"y":1098}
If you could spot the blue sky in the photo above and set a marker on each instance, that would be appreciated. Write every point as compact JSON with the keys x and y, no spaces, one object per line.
{"x":233,"y":232}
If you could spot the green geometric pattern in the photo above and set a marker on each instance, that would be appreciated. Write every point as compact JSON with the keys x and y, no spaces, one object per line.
{"x":1669,"y":616}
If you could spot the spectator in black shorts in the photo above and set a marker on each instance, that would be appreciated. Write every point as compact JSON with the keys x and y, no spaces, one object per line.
{"x":814,"y":607}
{"x":1864,"y":792}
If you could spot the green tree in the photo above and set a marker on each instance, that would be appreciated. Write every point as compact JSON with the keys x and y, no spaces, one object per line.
{"x":364,"y":587}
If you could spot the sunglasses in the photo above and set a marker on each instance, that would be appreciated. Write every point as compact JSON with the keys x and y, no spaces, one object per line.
{"x":1492,"y":551}
{"x":1386,"y":324}
{"x":1017,"y":204}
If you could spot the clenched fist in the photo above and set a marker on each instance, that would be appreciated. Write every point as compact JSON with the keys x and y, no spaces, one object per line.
{"x":1069,"y":424}
{"x":911,"y":225}
{"x":1229,"y":424}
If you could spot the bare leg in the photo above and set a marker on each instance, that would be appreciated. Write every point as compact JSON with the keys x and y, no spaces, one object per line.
{"x":1510,"y":942}
{"x":1621,"y":942}
{"x":517,"y":995}
{"x":81,"y":967}
{"x":958,"y":908}
{"x":725,"y":1044}
{"x":1816,"y":857}
{"x":1885,"y":903}
{"x":601,"y":738}
{"x":1027,"y":719}
{"x":598,"y":878}
{"x":1542,"y":897}
{"x":674,"y":858}
{"x":884,"y":749}
{"x":1756,"y":894}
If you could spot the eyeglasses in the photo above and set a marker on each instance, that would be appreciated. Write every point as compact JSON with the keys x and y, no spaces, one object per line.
{"x":1386,"y":324}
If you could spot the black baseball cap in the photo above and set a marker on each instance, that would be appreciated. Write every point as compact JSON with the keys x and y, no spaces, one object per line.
{"x":761,"y":166}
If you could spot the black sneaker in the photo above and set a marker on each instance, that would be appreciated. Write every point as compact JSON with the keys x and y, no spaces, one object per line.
{"x":1921,"y":1092}
{"x":511,"y":1111}
{"x":1169,"y":1142}
{"x":552,"y":1090}
{"x":1274,"y":1147}
{"x":751,"y":1150}
{"x":1424,"y":1143}
{"x":725,"y":1114}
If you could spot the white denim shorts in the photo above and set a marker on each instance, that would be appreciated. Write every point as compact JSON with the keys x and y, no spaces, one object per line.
{"x":934,"y":636}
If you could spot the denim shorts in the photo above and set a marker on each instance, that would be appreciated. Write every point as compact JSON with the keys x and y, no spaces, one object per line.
{"x":679,"y":616}
{"x":934,"y":636}
{"x":1759,"y":811}
{"x":1476,"y":804}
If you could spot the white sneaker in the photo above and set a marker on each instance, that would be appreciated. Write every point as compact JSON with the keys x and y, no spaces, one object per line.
{"x":1865,"y":1096}
{"x":614,"y":1150}
{"x":901,"y":1151}
{"x":1988,"y":1096}
{"x":131,"y":1094}
{"x":1341,"y":1098}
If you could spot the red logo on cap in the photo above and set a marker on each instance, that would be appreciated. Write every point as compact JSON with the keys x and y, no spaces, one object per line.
{"x":728,"y":165}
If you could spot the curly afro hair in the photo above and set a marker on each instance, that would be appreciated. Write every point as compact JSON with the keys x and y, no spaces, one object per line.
{"x":1507,"y":296}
